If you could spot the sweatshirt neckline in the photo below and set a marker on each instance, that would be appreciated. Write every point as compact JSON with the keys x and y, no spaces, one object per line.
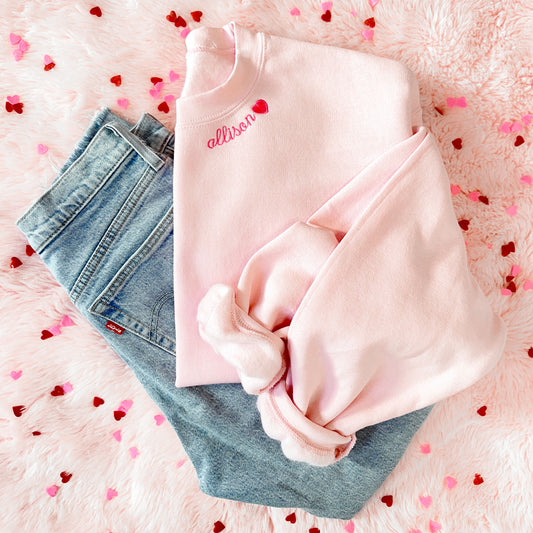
{"x":228,"y":96}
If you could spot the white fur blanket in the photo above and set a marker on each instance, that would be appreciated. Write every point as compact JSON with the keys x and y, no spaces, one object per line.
{"x":469,"y":467}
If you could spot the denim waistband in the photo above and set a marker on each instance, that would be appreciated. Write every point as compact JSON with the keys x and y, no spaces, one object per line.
{"x":100,"y":151}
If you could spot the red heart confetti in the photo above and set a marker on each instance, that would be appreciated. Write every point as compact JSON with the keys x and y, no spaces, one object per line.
{"x":171,"y":17}
{"x":49,"y":66}
{"x":530,"y":352}
{"x":519,"y":140}
{"x":15,"y":262}
{"x":96,"y":11}
{"x":457,"y":143}
{"x":260,"y":107}
{"x":163,"y":106}
{"x":58,"y":391}
{"x":196,"y":15}
{"x":18,"y":107}
{"x":314,"y":530}
{"x":35,"y":433}
{"x":65,"y":476}
{"x":478,"y":480}
{"x":218,"y":526}
{"x":18,"y":410}
{"x":291,"y":518}
{"x":482,"y":411}
{"x":118,"y":415}
{"x":370,"y":22}
{"x":512,"y":286}
{"x":180,"y":21}
{"x":45,"y":334}
{"x":464,"y":224}
{"x":387,"y":500}
{"x":97,"y":401}
{"x":29,"y":250}
{"x":326,"y":17}
{"x":509,"y":278}
{"x":439,"y":110}
{"x":117,"y":80}
{"x":155,"y":79}
{"x":508,"y":248}
{"x":484,"y":200}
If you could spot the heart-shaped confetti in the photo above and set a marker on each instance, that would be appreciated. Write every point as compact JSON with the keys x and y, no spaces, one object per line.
{"x":526,"y":179}
{"x":29,"y":250}
{"x":171,"y":17}
{"x":370,"y":22}
{"x":511,"y":286}
{"x":414,"y":531}
{"x":169,"y":98}
{"x":180,"y":463}
{"x":425,"y":501}
{"x":173,"y":76}
{"x":134,"y":452}
{"x":125,"y":405}
{"x":196,"y":15}
{"x":17,"y":108}
{"x":185,"y":32}
{"x":118,"y":415}
{"x":516,"y":126}
{"x":368,"y":34}
{"x":526,"y":119}
{"x":457,"y":143}
{"x":509,"y":278}
{"x":506,"y":292}
{"x":55,"y":330}
{"x":116,"y":80}
{"x":111,"y":493}
{"x":434,"y":526}
{"x":117,"y":435}
{"x":295,"y":12}
{"x":15,"y":374}
{"x":218,"y":526}
{"x":58,"y":391}
{"x":42,"y":149}
{"x":24,"y":45}
{"x":528,"y":285}
{"x":14,"y":39}
{"x":478,"y":480}
{"x":387,"y":500}
{"x":123,"y":103}
{"x":530,"y":352}
{"x":484,"y":200}
{"x":159,"y":419}
{"x":450,"y":482}
{"x":15,"y":262}
{"x":17,"y":54}
{"x":326,"y":5}
{"x":52,"y":490}
{"x":505,"y":127}
{"x":349,"y":527}
{"x":474,"y":196}
{"x":425,"y":448}
{"x":18,"y":410}
{"x":36,"y":433}
{"x":154,"y":93}
{"x":65,"y":477}
{"x":180,"y":21}
{"x":439,"y":110}
{"x":163,"y":107}
{"x":515,"y":270}
{"x":463,"y":224}
{"x":45,"y":334}
{"x":260,"y":107}
{"x":482,"y":411}
{"x":373,"y":3}
{"x":455,"y":190}
{"x":291,"y":518}
{"x":314,"y":530}
{"x":155,"y":80}
{"x":508,"y":248}
{"x":96,"y":11}
{"x":512,"y":210}
{"x":67,"y":387}
{"x":456,"y":102}
{"x":519,"y":140}
{"x":326,"y":17}
{"x":66,"y":321}
{"x":48,"y":63}
{"x":97,"y":401}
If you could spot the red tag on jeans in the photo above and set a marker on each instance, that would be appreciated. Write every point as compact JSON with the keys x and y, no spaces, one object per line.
{"x":114,"y":327}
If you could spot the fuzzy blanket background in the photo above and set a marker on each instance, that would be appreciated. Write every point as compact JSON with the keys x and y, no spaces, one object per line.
{"x":64,"y":464}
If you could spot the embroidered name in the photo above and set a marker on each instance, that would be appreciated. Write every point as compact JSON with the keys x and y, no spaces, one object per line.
{"x":227,"y":134}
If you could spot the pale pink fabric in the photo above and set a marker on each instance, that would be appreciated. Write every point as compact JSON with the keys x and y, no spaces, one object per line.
{"x":317,"y":245}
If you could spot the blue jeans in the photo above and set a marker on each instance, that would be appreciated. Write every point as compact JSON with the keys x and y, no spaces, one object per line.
{"x":104,"y":229}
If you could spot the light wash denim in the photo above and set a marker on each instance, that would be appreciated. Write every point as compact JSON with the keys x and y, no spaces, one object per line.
{"x":104,"y":229}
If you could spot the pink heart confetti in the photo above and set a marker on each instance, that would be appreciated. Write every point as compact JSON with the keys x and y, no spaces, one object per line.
{"x":66,"y":321}
{"x":117,"y":435}
{"x":349,"y":527}
{"x":326,"y":5}
{"x":23,"y":46}
{"x":159,"y":86}
{"x":295,"y":12}
{"x":47,"y":59}
{"x":373,"y":3}
{"x":506,"y":292}
{"x":368,"y":34}
{"x":17,"y":54}
{"x":55,"y":330}
{"x":125,"y":405}
{"x":528,"y":285}
{"x":517,"y":126}
{"x":15,"y":374}
{"x":180,"y":463}
{"x":13,"y":99}
{"x":185,"y":32}
{"x":526,"y":179}
{"x":455,"y":189}
{"x":512,"y":210}
{"x":415,"y":531}
{"x":123,"y":103}
{"x":154,"y":93}
{"x":172,"y":76}
{"x":434,"y":526}
{"x":42,"y":149}
{"x":425,"y":501}
{"x":14,"y":39}
{"x":159,"y":419}
{"x":425,"y":448}
{"x":450,"y":482}
{"x":169,"y":98}
{"x":52,"y":490}
{"x":526,"y":119}
{"x":67,"y":387}
{"x":353,"y":12}
{"x":515,"y":270}
{"x":474,"y":196}
{"x":506,"y":127}
{"x":111,"y":493}
{"x":459,"y":102}
{"x":134,"y":452}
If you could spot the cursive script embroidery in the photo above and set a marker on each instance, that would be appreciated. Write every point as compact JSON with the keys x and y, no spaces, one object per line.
{"x":227,"y":134}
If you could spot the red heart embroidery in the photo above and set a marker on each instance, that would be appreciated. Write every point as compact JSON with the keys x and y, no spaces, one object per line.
{"x":519,"y":140}
{"x":508,"y":248}
{"x":18,"y":410}
{"x":482,"y":411}
{"x":97,"y":401}
{"x":117,"y":80}
{"x":35,"y":433}
{"x":464,"y":224}
{"x":15,"y":262}
{"x":260,"y":107}
{"x":29,"y":250}
{"x":180,"y":22}
{"x":387,"y":500}
{"x":58,"y":391}
{"x":291,"y":518}
{"x":171,"y":17}
{"x":326,"y":17}
{"x":478,"y":480}
{"x":50,"y":66}
{"x":65,"y":477}
{"x":196,"y":15}
{"x":370,"y":22}
{"x":118,"y":415}
{"x":163,"y":106}
{"x":218,"y":526}
{"x":457,"y":143}
{"x":155,"y":79}
{"x":484,"y":200}
{"x":45,"y":334}
{"x":96,"y":11}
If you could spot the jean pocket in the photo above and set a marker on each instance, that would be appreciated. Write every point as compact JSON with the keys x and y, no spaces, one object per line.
{"x":140,"y":296}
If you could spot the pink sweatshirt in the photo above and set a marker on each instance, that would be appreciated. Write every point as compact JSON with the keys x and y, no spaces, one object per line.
{"x":318,"y":260}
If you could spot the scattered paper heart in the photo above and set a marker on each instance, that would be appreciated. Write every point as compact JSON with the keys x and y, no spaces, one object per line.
{"x":159,"y":419}
{"x":373,"y":3}
{"x":295,"y":12}
{"x":117,"y":435}
{"x":455,"y":189}
{"x":349,"y":527}
{"x":474,"y":196}
{"x":515,"y":270}
{"x":519,"y":140}
{"x":96,"y":11}
{"x":526,"y":179}
{"x":508,"y":248}
{"x":516,"y":126}
{"x":15,"y":374}
{"x":180,"y":463}
{"x":173,"y":76}
{"x":326,"y":17}
{"x":24,"y":45}
{"x":425,"y":501}
{"x":370,"y":22}
{"x":526,"y":119}
{"x":58,"y":391}
{"x":66,"y":321}
{"x":512,"y":210}
{"x":457,"y":143}
{"x":196,"y":15}
{"x":45,"y":334}
{"x":169,"y":98}
{"x":15,"y":262}
{"x":17,"y":54}
{"x":482,"y":411}
{"x":326,"y":5}
{"x":425,"y":448}
{"x":134,"y":452}
{"x":14,"y":39}
{"x":111,"y":493}
{"x":42,"y":149}
{"x":97,"y":401}
{"x":29,"y":250}
{"x":184,"y":33}
{"x":528,"y":285}
{"x":387,"y":500}
{"x":116,"y":80}
{"x":18,"y":410}
{"x":505,"y":127}
{"x":125,"y":405}
{"x":52,"y":490}
{"x":123,"y":103}
{"x":67,"y":387}
{"x":368,"y":34}
{"x":55,"y":330}
{"x":260,"y":107}
{"x":218,"y":526}
{"x":65,"y":477}
{"x":478,"y":480}
{"x":450,"y":482}
{"x":163,"y":107}
{"x":434,"y":526}
{"x":119,"y":415}
{"x":291,"y":518}
{"x":506,"y":292}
